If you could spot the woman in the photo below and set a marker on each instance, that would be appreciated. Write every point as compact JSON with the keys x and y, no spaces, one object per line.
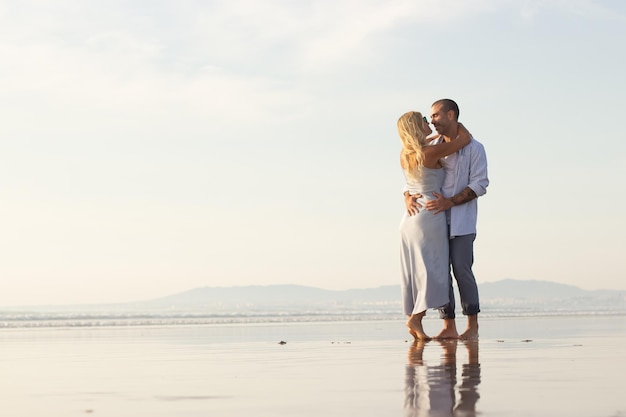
{"x":424,"y":235}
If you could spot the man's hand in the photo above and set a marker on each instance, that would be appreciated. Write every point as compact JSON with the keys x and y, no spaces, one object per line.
{"x":439,"y":205}
{"x":410,"y":201}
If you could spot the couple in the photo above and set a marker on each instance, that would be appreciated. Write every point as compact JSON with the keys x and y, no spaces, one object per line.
{"x":445,"y":174}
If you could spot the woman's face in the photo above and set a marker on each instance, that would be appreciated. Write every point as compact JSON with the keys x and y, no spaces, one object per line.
{"x":426,"y":128}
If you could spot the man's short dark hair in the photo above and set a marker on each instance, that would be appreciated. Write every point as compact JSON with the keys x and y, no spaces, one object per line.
{"x":448,"y":105}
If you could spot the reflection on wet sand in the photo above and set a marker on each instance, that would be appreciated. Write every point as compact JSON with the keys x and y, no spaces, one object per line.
{"x":432,"y":390}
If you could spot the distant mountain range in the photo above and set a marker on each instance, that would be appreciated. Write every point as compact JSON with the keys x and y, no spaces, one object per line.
{"x":502,"y":293}
{"x":279,"y":295}
{"x":540,"y":290}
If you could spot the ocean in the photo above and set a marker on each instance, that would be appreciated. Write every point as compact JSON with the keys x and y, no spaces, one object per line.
{"x":94,"y":316}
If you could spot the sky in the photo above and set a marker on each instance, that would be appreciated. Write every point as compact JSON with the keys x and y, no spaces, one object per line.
{"x":151,"y":147}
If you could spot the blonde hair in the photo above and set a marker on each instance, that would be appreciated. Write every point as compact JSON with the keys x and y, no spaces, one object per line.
{"x":411,"y":128}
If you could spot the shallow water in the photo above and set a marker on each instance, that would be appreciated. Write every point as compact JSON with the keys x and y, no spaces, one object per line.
{"x":547,"y":366}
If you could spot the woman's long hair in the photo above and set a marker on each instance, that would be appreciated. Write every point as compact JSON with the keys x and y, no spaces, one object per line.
{"x":412,"y":136}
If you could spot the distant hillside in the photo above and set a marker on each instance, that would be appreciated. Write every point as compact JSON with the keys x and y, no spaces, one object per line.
{"x":503,"y":293}
{"x":510,"y":294}
{"x":277,"y":295}
{"x":511,"y":288}
{"x":500,"y":295}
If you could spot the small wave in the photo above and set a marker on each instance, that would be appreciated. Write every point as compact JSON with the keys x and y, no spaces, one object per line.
{"x":125,"y":319}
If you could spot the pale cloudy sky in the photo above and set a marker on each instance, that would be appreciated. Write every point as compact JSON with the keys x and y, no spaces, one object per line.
{"x":149,"y":147}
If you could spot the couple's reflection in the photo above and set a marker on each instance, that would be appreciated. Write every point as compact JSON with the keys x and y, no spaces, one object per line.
{"x":432,"y":390}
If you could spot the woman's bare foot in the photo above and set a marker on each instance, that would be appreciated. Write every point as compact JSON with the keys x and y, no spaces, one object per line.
{"x":448,"y":331}
{"x":414,"y":323}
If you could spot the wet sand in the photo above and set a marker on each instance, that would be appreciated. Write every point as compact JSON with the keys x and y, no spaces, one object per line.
{"x":533,"y":366}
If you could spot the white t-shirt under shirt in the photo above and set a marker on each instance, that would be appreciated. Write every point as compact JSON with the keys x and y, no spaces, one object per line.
{"x":447,"y":189}
{"x":449,"y":166}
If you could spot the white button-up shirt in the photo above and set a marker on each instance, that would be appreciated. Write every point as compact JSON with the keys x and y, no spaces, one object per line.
{"x":470,"y":170}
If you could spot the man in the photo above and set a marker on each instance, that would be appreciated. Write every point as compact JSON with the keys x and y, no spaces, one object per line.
{"x":465,"y":181}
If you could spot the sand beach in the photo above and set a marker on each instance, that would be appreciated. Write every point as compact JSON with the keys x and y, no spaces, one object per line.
{"x":521,"y":366}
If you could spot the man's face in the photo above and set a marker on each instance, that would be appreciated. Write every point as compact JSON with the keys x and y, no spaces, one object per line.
{"x":440,"y":119}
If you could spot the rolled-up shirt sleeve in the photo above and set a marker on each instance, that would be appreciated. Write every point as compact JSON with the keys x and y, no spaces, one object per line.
{"x":478,"y":179}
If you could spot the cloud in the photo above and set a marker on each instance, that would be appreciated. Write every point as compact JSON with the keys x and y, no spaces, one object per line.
{"x":320,"y":36}
{"x":206,"y":61}
{"x":116,"y":73}
{"x":590,"y":9}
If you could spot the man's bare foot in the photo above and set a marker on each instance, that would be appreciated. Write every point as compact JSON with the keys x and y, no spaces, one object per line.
{"x":414,"y":323}
{"x":447,"y":334}
{"x":448,"y":331}
{"x":471,"y":333}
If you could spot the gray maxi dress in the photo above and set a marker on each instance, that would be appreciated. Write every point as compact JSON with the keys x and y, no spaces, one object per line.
{"x":424,"y":253}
